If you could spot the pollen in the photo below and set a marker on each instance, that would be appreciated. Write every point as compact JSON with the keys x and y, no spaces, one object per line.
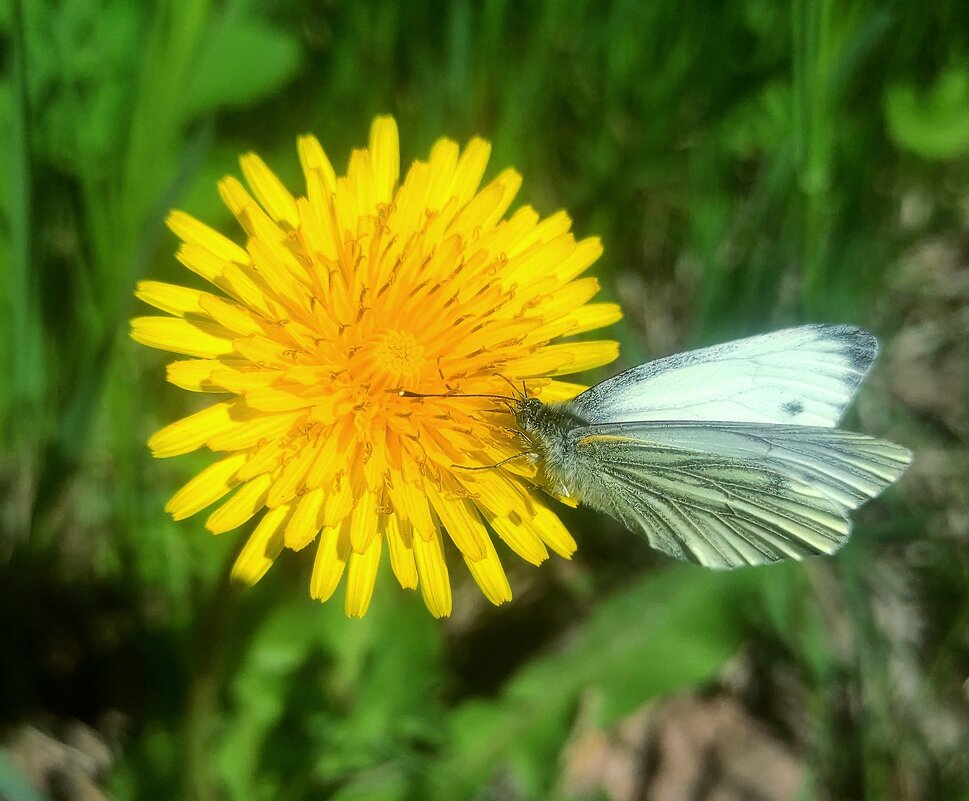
{"x":346,"y":336}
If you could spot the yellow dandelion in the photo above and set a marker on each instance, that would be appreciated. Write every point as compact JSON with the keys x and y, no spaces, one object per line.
{"x":341,"y":302}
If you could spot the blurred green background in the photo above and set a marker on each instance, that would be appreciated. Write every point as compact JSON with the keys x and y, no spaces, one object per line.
{"x":748,"y":165}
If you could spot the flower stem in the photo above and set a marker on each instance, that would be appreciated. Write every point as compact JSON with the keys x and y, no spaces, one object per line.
{"x":203,"y":692}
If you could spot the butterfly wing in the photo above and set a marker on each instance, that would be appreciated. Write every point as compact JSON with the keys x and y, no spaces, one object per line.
{"x":801,"y":376}
{"x":731,"y":494}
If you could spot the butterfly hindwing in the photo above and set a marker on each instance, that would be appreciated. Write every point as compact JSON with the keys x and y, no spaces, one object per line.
{"x":727,"y":494}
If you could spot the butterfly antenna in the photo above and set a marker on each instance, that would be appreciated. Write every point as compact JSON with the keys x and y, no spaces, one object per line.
{"x":406,"y":393}
{"x":514,"y":389}
{"x":492,"y":466}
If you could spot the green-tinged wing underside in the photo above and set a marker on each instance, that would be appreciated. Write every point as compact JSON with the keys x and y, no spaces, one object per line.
{"x":731,"y":494}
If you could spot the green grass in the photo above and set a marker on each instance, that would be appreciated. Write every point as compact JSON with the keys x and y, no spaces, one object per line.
{"x":747,"y":166}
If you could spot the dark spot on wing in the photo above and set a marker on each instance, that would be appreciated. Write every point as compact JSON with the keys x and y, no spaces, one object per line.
{"x":793,"y":408}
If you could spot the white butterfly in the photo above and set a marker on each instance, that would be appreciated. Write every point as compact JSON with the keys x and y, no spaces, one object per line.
{"x":727,"y":455}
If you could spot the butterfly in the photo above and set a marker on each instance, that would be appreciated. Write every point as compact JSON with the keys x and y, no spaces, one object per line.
{"x":725,"y":456}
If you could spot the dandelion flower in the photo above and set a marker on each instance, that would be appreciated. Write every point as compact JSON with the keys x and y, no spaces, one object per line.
{"x":341,"y":299}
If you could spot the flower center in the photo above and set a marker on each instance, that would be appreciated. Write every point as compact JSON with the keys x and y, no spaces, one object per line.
{"x":398,"y":354}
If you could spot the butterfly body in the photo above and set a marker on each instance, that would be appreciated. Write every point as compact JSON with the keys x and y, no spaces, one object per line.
{"x":724,"y":456}
{"x":548,"y":432}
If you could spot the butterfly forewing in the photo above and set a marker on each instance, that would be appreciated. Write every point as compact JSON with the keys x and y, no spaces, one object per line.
{"x":802,"y":376}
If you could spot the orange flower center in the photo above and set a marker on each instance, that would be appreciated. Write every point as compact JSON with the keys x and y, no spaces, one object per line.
{"x":398,"y":355}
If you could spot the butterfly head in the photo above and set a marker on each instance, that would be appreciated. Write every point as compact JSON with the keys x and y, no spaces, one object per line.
{"x":530,"y":414}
